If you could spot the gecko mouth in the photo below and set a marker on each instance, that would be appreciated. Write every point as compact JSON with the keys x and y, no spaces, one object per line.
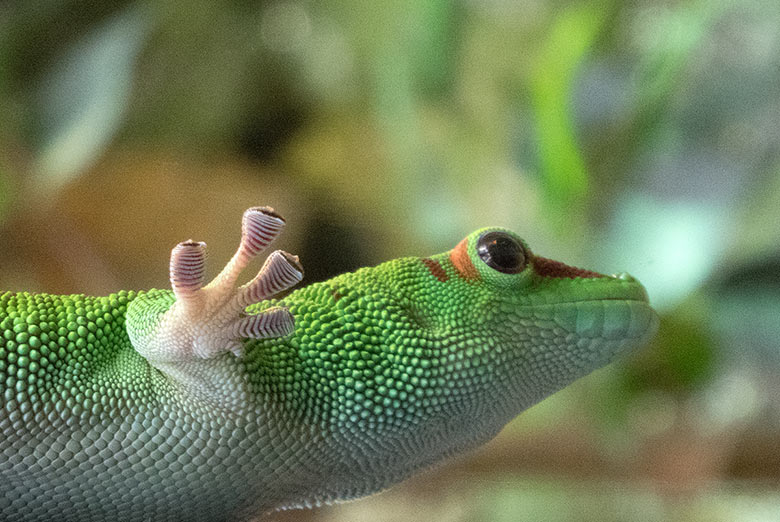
{"x":602,"y":289}
{"x":608,"y":307}
{"x":615,"y":319}
{"x":618,"y":287}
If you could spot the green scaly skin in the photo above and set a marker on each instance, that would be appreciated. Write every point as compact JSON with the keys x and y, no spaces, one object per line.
{"x":389,"y":370}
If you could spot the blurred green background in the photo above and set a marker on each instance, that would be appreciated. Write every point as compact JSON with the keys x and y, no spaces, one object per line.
{"x":619,"y":135}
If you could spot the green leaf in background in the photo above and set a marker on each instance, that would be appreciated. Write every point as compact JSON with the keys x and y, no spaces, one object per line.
{"x":84,"y":95}
{"x":669,"y":38}
{"x":562,"y":167}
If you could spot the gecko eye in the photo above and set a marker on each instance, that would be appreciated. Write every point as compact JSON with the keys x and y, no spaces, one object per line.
{"x":501,"y":252}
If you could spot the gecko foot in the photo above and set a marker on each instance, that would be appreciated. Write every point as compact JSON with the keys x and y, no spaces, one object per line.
{"x":207,"y":320}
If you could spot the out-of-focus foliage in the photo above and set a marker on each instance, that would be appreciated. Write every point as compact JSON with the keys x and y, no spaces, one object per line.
{"x":83,"y":97}
{"x":620,"y":135}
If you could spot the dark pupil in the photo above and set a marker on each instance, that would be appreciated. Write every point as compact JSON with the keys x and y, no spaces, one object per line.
{"x":502,"y":252}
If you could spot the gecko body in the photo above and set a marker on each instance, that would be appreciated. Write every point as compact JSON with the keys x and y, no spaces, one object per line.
{"x":219,"y":402}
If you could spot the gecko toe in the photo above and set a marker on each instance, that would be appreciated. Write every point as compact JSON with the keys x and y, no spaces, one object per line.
{"x":280,"y":272}
{"x":207,"y":320}
{"x":274,"y":322}
{"x":259,"y":226}
{"x":187,"y":268}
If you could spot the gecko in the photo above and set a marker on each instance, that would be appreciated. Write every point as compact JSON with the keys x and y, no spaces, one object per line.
{"x":222,"y":401}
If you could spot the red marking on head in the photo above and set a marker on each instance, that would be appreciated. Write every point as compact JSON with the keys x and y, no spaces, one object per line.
{"x":436,"y":269}
{"x":462,"y":262}
{"x":549,"y":268}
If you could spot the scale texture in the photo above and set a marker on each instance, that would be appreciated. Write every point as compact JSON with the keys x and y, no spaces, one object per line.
{"x":387,"y":371}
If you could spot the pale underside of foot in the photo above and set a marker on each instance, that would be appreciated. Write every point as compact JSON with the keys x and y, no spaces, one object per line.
{"x":206,"y":321}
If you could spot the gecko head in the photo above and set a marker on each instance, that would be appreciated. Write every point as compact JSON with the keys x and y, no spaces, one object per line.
{"x":422,"y":358}
{"x":541,"y":324}
{"x":489,"y":329}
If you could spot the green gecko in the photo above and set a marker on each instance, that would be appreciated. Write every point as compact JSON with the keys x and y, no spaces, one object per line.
{"x":219,"y":402}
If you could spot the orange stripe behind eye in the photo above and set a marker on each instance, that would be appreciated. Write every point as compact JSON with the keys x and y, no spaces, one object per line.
{"x":436,"y":269}
{"x":462,"y":262}
{"x":549,"y":268}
